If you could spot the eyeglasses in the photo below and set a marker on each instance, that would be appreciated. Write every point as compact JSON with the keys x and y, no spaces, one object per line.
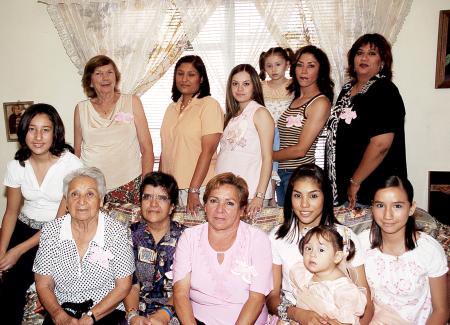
{"x":158,"y":197}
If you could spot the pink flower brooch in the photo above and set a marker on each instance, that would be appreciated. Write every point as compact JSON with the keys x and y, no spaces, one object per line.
{"x":347,"y":114}
{"x":294,"y":121}
{"x":123,"y":117}
{"x":100,"y":256}
{"x":244,"y":270}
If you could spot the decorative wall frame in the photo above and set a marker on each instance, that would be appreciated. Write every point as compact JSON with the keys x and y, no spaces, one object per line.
{"x":13,"y":113}
{"x":443,"y":51}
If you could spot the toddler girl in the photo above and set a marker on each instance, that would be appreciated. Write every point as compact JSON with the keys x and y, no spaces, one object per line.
{"x":320,"y":283}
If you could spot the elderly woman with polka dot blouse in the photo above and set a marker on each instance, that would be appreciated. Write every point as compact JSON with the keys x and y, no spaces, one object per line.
{"x":84,"y":264}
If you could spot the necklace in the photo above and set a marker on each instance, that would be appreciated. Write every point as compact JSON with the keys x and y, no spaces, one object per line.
{"x":182,"y":107}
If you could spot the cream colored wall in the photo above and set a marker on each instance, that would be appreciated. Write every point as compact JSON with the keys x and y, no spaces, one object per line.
{"x":427,"y":108}
{"x":34,"y":66}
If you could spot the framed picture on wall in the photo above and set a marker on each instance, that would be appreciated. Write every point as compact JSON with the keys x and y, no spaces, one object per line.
{"x":443,"y":51}
{"x":13,"y":113}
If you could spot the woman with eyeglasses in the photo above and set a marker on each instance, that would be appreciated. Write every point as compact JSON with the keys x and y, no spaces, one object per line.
{"x":154,"y":240}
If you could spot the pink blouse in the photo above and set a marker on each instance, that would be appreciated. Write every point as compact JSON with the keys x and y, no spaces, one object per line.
{"x":219,"y":291}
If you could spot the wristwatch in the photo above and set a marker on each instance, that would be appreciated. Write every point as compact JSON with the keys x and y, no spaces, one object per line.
{"x":195,"y":190}
{"x":259,"y":195}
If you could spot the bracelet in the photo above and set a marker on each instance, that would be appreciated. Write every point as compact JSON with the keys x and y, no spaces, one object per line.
{"x":355,"y":182}
{"x":168,"y":311}
{"x":259,"y":195}
{"x":131,"y":314}
{"x":195,"y":190}
{"x":283,"y":308}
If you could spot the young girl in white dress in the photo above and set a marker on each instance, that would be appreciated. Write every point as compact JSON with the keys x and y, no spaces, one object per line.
{"x":247,"y":139}
{"x":321,"y":282}
{"x":277,"y":95}
{"x":34,"y":182}
{"x":406,"y":268}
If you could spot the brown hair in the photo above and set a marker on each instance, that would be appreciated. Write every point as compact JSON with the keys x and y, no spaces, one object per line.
{"x":232,"y":105}
{"x":286,"y":54}
{"x":384,"y":49}
{"x":330,"y":234}
{"x":89,"y":68}
{"x":228,"y":179}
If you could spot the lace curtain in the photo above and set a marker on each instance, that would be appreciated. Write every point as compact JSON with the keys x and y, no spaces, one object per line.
{"x":146,"y":37}
{"x":289,"y":22}
{"x":340,"y":22}
{"x":143,"y":37}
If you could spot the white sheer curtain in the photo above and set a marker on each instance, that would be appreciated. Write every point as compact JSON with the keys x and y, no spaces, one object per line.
{"x":194,"y":14}
{"x":340,"y":22}
{"x":289,"y":22}
{"x":233,"y":33}
{"x":143,"y":37}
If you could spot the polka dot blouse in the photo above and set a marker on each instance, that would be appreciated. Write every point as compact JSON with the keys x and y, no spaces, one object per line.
{"x":109,"y":256}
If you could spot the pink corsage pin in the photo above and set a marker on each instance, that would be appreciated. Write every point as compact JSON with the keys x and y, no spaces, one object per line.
{"x":100,"y":256}
{"x":347,"y":114}
{"x":123,"y":117}
{"x":244,"y":270}
{"x":294,"y":121}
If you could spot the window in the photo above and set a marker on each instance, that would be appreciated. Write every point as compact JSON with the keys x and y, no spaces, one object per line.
{"x":235,"y":33}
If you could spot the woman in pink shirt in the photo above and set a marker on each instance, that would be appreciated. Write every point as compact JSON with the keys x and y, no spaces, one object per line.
{"x":222,"y":269}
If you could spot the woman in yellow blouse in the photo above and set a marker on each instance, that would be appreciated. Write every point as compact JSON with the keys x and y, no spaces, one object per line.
{"x":190,"y":131}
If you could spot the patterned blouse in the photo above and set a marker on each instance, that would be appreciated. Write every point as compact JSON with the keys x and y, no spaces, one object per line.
{"x":154,"y":265}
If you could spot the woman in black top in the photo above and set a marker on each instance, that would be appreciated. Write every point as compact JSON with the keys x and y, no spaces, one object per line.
{"x":366,"y":139}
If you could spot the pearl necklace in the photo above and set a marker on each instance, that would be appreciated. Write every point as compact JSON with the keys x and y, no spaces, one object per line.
{"x":182,"y":107}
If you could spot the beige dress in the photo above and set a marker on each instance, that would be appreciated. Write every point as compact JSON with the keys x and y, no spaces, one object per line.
{"x":111,"y":144}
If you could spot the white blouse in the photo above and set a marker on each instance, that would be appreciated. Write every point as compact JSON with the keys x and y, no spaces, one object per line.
{"x":41,"y":202}
{"x":401,"y":282}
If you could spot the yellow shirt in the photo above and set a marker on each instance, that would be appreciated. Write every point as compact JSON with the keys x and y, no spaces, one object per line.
{"x":181,"y":137}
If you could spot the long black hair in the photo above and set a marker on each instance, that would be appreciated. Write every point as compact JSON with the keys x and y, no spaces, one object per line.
{"x":59,"y":144}
{"x":324,"y":81}
{"x":315,"y":173}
